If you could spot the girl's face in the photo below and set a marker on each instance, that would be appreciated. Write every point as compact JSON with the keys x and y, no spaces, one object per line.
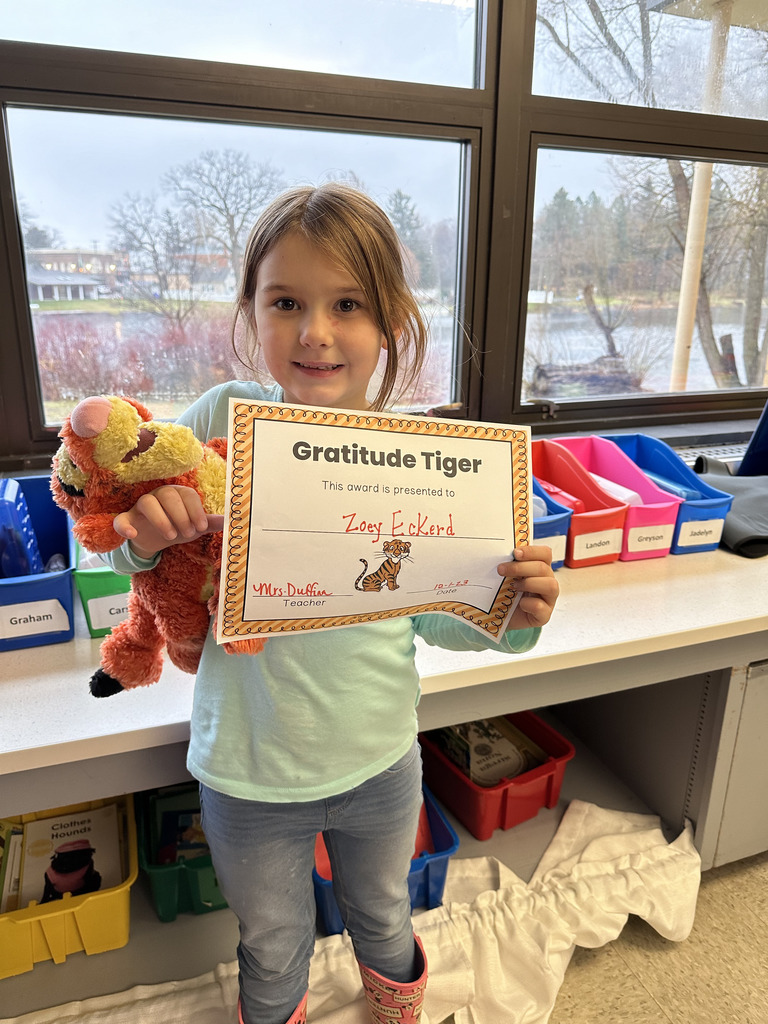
{"x":314,"y":326}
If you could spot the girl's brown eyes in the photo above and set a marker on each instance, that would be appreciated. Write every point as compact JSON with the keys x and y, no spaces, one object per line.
{"x":344,"y":305}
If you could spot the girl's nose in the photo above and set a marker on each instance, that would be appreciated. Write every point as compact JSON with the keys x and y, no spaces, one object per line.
{"x":316,"y":330}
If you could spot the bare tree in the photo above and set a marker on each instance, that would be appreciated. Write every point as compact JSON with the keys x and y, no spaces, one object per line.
{"x":609,"y":43}
{"x":751,"y":200}
{"x":223,"y":191}
{"x":164,"y":254}
{"x":611,"y":46}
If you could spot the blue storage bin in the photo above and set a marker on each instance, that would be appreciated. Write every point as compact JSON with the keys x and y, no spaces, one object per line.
{"x":755,"y":461}
{"x":426,"y":879}
{"x":700,"y":519}
{"x":38,"y":609}
{"x":552,"y":529}
{"x":19,"y":553}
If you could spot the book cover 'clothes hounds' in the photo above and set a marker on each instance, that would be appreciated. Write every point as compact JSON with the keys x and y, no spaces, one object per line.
{"x":72,"y":853}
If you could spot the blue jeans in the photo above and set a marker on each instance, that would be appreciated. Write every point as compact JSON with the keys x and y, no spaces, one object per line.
{"x":263,"y":854}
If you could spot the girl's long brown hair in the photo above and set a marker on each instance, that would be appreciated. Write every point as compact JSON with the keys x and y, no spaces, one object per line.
{"x":358,"y":237}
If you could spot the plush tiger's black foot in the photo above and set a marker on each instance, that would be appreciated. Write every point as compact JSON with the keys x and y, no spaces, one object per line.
{"x":103,"y":685}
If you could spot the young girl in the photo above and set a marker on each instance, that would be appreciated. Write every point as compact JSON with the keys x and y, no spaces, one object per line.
{"x":317,"y":733}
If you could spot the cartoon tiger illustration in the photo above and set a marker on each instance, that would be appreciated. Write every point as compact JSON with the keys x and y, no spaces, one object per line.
{"x":395,"y":551}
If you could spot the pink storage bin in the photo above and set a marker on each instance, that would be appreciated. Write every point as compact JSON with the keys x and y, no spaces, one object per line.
{"x":595,"y":534}
{"x":649,"y":528}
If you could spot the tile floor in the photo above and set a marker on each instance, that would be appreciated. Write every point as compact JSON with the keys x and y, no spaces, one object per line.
{"x":719,"y":975}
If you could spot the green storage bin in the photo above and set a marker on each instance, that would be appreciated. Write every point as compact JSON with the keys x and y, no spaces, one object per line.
{"x":187,"y":886}
{"x":96,"y":588}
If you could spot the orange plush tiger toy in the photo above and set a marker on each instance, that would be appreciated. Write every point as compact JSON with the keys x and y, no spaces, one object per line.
{"x":112,"y":452}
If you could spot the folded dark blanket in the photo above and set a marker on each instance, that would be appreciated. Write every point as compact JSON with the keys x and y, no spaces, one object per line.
{"x":746,"y":525}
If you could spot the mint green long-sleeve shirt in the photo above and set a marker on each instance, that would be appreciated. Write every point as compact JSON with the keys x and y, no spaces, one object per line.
{"x":313,"y":714}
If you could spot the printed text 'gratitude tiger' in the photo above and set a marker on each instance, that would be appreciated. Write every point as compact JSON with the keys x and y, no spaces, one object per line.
{"x":359,"y":455}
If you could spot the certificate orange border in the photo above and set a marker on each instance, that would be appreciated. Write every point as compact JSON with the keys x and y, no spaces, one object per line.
{"x":232,"y":626}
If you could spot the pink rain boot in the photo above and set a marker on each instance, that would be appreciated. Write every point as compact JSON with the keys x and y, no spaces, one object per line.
{"x":390,"y":1002}
{"x":299,"y":1015}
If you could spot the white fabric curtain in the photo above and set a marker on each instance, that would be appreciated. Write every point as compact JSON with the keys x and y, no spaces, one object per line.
{"x":498,"y":948}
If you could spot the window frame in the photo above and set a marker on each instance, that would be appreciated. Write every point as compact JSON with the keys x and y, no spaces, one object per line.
{"x":105,"y":82}
{"x":526,"y":122}
{"x":502,"y":124}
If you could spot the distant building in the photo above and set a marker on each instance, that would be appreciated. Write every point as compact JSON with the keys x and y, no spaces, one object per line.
{"x":80,"y":274}
{"x":88,"y":275}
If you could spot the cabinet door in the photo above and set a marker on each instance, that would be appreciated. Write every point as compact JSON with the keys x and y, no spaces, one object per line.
{"x":744,"y":827}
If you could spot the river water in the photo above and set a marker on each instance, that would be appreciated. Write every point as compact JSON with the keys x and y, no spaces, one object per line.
{"x":645,"y":339}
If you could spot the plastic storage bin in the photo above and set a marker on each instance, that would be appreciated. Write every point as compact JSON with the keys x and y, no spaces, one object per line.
{"x":104,"y":596}
{"x":483,"y":809}
{"x":552,"y":529}
{"x":19,"y":553}
{"x":755,"y":460}
{"x":649,"y":527}
{"x":186,"y":886}
{"x":701,"y":515}
{"x":426,"y":879}
{"x":596,"y":531}
{"x":38,"y":609}
{"x":92,"y":923}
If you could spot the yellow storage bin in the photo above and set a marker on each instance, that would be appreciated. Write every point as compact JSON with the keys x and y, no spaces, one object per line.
{"x":90,"y":923}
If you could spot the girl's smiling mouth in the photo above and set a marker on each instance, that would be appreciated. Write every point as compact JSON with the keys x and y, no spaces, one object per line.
{"x":319,"y":367}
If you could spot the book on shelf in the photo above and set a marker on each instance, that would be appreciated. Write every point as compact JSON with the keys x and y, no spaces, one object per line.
{"x":489,"y":750}
{"x":10,"y":865}
{"x":176,"y":833}
{"x":181,"y":837}
{"x":74,"y":853}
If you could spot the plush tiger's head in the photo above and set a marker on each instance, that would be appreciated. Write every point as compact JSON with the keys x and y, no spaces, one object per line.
{"x":112,"y":451}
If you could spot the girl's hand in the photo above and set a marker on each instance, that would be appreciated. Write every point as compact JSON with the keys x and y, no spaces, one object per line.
{"x":532,"y":570}
{"x":168,"y":515}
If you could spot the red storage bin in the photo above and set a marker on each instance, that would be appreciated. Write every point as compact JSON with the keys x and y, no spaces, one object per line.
{"x":483,"y":809}
{"x":596,"y":533}
{"x":648,"y":528}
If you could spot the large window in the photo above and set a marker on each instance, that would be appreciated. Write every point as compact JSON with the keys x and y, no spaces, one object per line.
{"x":431,"y":41}
{"x":132,"y":256}
{"x":132,"y":173}
{"x":581,"y":187}
{"x":632,"y":179}
{"x":614,"y":307}
{"x":706,"y":56}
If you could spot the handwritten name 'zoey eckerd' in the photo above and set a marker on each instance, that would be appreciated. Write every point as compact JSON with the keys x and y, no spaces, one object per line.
{"x":358,"y":455}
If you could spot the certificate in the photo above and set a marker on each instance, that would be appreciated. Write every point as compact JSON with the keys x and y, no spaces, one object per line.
{"x":334,"y":518}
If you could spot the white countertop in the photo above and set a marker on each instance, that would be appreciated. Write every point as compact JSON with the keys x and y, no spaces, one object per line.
{"x":606,"y":614}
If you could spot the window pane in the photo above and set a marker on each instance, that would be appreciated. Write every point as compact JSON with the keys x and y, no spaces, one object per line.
{"x":696,"y":55}
{"x":616,"y":305}
{"x":430,"y":41}
{"x":134,"y":228}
